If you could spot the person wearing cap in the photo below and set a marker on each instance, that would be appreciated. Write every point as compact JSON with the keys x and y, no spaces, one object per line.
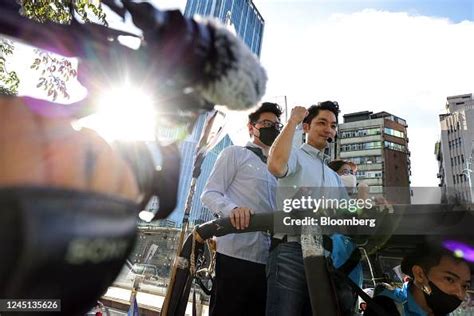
{"x":437,"y":286}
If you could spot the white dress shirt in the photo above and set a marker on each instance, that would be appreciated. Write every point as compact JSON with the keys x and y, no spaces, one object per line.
{"x":241,"y":179}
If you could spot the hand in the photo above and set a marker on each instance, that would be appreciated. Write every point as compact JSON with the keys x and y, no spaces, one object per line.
{"x":298,"y":113}
{"x":240,"y":217}
{"x":362,"y":190}
{"x":384,"y":205}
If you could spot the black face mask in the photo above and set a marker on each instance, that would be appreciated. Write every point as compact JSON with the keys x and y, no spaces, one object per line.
{"x":440,"y":302}
{"x":268,"y":135}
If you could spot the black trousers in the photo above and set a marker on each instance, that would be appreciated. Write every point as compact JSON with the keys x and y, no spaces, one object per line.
{"x":240,"y":288}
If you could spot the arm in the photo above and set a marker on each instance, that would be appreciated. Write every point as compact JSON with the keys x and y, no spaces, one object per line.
{"x":222,"y":175}
{"x":281,"y":148}
{"x":214,"y":195}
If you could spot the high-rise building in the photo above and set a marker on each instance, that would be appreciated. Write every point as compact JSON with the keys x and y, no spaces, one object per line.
{"x":242,"y":15}
{"x":378,"y":144}
{"x":248,"y":24}
{"x":455,"y":153}
{"x":199,"y":214}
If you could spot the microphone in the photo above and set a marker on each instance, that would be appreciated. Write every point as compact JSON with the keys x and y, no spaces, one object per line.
{"x":178,"y":56}
{"x":329,"y":140}
{"x":222,"y":67}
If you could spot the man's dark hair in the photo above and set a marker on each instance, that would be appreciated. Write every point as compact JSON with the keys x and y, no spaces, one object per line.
{"x":265,"y":107}
{"x":313,"y":110}
{"x":427,"y":257}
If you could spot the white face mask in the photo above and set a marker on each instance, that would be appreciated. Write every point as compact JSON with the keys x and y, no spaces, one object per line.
{"x":349,"y":181}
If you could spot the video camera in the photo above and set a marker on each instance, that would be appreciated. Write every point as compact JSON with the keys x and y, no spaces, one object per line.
{"x":69,"y":245}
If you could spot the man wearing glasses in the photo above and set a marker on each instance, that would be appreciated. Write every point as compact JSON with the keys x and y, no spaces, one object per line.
{"x":240,"y":185}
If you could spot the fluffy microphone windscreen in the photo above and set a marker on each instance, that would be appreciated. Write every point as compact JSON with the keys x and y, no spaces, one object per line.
{"x":237,"y":79}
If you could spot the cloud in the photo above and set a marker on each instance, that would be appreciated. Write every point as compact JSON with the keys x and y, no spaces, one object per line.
{"x":379,"y":61}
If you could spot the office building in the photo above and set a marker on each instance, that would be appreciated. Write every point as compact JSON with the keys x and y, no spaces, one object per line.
{"x":378,"y":144}
{"x":248,"y":23}
{"x":241,"y":15}
{"x":455,"y":148}
{"x":199,"y":213}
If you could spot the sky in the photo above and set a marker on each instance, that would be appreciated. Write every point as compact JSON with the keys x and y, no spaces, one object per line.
{"x":403,"y":57}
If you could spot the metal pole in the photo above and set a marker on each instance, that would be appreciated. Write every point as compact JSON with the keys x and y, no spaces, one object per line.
{"x":286,"y":110}
{"x":468,"y":171}
{"x":201,"y":151}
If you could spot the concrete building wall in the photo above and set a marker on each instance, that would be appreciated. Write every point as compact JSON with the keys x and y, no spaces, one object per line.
{"x":378,"y":144}
{"x":457,"y":135}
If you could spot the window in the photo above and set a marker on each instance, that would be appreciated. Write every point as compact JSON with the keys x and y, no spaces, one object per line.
{"x":369,"y":174}
{"x":394,"y":146}
{"x":361,"y":146}
{"x":360,"y":132}
{"x":366,"y":160}
{"x":376,"y":189}
{"x":393,"y":132}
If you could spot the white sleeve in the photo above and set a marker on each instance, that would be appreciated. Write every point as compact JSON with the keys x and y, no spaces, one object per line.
{"x":222,"y":175}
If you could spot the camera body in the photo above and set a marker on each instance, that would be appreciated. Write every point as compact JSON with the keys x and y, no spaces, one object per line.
{"x":69,"y":206}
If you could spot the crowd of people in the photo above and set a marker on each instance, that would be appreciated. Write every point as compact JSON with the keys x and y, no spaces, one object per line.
{"x":259,"y":274}
{"x":256,"y":274}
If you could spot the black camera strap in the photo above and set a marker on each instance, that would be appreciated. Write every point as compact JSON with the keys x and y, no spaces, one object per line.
{"x":258,"y":152}
{"x":344,"y":276}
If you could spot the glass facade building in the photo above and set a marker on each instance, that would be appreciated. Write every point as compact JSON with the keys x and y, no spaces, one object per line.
{"x":248,"y":23}
{"x":199,"y":214}
{"x":241,"y":14}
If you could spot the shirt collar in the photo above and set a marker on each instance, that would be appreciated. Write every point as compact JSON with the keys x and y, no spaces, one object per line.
{"x":315,"y":153}
{"x":411,"y":305}
{"x":256,"y":146}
